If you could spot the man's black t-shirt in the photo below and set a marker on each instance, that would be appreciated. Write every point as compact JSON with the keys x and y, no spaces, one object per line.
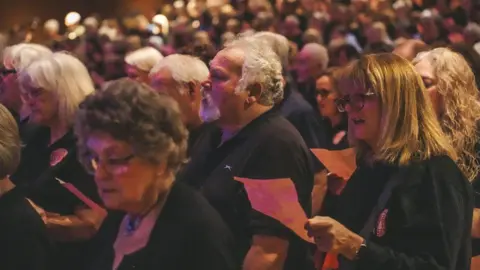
{"x":23,"y":235}
{"x":267,"y":148}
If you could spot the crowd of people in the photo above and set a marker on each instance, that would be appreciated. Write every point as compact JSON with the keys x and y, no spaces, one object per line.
{"x":122,"y":140}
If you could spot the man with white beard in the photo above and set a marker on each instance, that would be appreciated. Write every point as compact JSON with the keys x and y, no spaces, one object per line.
{"x":254,"y":142}
{"x":180,"y":76}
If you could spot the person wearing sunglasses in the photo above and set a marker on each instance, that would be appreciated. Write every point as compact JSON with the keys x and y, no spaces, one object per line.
{"x":408,"y":205}
{"x":133,"y":141}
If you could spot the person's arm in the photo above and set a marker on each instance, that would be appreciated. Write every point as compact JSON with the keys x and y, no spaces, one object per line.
{"x":266,"y":252}
{"x":84,"y":222}
{"x":279,"y":157}
{"x":319,"y":191}
{"x":81,"y":226}
{"x":476,"y":223}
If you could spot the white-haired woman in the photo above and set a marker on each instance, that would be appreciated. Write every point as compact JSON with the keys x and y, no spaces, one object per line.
{"x":15,"y":59}
{"x":140,"y":62}
{"x":451,"y":85}
{"x":53,"y":87}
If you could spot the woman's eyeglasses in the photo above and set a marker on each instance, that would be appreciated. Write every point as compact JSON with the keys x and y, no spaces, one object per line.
{"x":4,"y":72}
{"x":111,"y":165}
{"x":356,"y":101}
{"x":322,"y":93}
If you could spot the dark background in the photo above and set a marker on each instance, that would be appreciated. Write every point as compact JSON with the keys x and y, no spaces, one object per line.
{"x":23,"y":11}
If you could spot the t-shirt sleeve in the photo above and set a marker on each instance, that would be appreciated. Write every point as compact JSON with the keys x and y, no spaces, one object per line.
{"x":277,"y":158}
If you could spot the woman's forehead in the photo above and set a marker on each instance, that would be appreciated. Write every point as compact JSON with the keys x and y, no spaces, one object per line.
{"x":351,"y":87}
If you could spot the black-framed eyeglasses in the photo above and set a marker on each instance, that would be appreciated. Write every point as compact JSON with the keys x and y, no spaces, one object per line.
{"x":111,"y":165}
{"x":5,"y":71}
{"x":323,"y":93}
{"x":356,"y":101}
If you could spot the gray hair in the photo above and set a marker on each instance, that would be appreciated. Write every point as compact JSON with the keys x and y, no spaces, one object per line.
{"x":260,"y":66}
{"x":184,"y":69}
{"x":144,"y":59}
{"x":473,"y":29}
{"x":318,"y":52}
{"x":132,"y":112}
{"x":9,"y":143}
{"x":278,"y":43}
{"x":21,"y":55}
{"x":65,"y":76}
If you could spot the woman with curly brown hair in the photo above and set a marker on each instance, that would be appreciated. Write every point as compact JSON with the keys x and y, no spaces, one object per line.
{"x":133,"y":140}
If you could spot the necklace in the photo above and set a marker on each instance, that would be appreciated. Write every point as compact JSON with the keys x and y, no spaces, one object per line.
{"x":133,"y":223}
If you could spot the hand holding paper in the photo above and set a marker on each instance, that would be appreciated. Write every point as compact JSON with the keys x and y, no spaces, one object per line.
{"x":339,"y":162}
{"x":278,"y":199}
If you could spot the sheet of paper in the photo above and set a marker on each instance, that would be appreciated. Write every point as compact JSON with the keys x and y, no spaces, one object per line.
{"x":81,"y":196}
{"x":278,"y":199}
{"x":340,"y":162}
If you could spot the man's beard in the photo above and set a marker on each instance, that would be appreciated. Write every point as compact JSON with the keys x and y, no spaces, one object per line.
{"x":209,"y":112}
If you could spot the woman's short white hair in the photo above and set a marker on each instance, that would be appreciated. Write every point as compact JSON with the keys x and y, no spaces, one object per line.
{"x":65,"y":76}
{"x":144,"y":59}
{"x":21,"y":55}
{"x":261,"y":65}
{"x":184,"y":69}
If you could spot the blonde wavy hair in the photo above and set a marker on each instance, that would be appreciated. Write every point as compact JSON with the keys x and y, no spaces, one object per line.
{"x":409,"y":128}
{"x":455,"y":82}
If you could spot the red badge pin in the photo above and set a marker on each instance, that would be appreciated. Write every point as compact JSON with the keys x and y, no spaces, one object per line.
{"x":381,"y":224}
{"x":57,"y":156}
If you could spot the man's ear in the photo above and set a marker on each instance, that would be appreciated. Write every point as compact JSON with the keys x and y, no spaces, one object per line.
{"x":193,"y":90}
{"x":254,"y":93}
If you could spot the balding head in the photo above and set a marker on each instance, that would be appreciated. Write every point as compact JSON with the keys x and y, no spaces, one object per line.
{"x":311,"y":61}
{"x":410,"y":48}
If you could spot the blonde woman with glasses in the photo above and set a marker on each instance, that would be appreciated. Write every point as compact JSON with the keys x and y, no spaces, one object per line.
{"x":408,"y":205}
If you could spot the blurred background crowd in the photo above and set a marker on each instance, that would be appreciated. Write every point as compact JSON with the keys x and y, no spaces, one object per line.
{"x":345,"y":28}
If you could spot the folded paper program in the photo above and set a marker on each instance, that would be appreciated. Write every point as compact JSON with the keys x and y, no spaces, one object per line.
{"x":339,"y":162}
{"x":277,"y":198}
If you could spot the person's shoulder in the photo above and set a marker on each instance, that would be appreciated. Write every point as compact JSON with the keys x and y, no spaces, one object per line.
{"x":440,"y":170}
{"x":21,"y":217}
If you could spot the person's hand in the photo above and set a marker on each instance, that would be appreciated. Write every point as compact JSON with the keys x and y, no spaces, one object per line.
{"x":331,"y":236}
{"x":335,"y":183}
{"x":39,"y":210}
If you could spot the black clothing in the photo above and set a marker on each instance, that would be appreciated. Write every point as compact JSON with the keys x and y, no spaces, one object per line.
{"x":188,"y":234}
{"x":23,"y":235}
{"x":267,"y":148}
{"x":302,"y":116}
{"x":330,"y":199}
{"x":427,"y":220}
{"x":196,"y":134}
{"x":36,"y":175}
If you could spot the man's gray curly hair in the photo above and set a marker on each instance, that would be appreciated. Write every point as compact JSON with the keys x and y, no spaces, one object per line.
{"x":261,"y":65}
